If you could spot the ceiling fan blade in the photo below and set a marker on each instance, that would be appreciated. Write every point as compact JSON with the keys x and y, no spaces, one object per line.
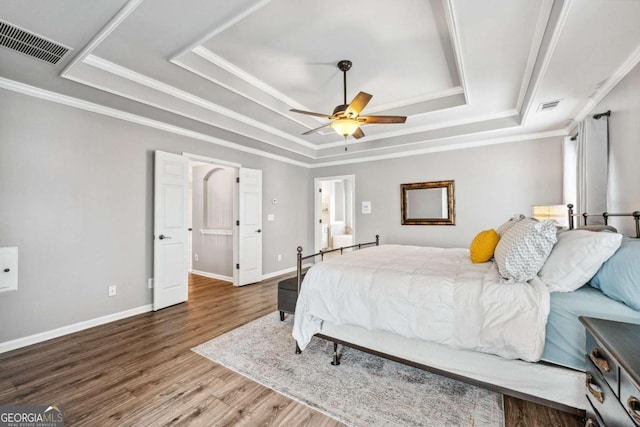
{"x":309,"y":132}
{"x":359,"y":102}
{"x":358,"y":134}
{"x":310,"y":113}
{"x":383,"y":119}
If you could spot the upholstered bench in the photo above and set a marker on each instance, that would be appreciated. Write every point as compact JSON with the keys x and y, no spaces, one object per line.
{"x":287,"y":296}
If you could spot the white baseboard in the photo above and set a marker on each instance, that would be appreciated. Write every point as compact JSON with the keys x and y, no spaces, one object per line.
{"x":281,"y":272}
{"x":213,"y":275}
{"x":76,"y":327}
{"x":264,"y":276}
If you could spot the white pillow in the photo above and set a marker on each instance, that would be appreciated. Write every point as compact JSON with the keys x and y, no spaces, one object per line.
{"x":577,"y":257}
{"x":524,"y":248}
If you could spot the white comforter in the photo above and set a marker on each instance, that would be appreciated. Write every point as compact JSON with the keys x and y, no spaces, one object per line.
{"x":432,"y":294}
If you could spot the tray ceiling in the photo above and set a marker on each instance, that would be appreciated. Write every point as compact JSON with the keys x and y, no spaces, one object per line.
{"x":465,"y":72}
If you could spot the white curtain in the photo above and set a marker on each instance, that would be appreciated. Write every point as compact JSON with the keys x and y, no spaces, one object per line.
{"x":592,"y":166}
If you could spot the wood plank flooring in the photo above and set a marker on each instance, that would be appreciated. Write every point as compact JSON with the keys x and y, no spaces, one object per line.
{"x":140,"y":371}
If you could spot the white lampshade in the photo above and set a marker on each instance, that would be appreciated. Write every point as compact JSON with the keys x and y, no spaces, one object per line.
{"x":557,"y":213}
{"x":345,"y":127}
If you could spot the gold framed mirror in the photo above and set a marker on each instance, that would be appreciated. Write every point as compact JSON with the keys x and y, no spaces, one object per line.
{"x":428,"y":203}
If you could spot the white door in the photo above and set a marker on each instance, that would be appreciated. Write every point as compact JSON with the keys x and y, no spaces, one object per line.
{"x":249,"y":266}
{"x":170,"y":240}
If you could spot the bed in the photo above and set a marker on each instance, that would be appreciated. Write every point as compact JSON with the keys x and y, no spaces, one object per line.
{"x":516,"y":338}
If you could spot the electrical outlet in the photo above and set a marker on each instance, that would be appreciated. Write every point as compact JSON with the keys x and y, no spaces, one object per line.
{"x":279,"y":257}
{"x":112,"y":290}
{"x":195,"y":257}
{"x":150,"y":283}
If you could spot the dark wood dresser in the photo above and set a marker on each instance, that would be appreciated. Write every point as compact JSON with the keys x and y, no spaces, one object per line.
{"x":613,"y":373}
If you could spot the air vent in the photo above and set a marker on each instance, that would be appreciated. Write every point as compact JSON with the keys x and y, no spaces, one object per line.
{"x":30,"y":44}
{"x":546,"y":106}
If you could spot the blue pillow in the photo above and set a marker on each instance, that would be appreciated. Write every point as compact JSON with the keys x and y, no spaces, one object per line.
{"x":619,"y":277}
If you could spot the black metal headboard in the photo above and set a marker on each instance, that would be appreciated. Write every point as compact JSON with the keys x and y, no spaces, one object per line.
{"x":604,"y":215}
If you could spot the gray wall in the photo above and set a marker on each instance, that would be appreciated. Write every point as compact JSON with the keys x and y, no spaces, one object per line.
{"x":76,"y":197}
{"x":491,"y":184}
{"x":214,"y":252}
{"x":624,"y":148}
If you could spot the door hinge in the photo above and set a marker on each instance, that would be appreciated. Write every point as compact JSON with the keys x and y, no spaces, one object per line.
{"x":237,"y":222}
{"x":319,"y":190}
{"x":237,"y":179}
{"x":237,"y":266}
{"x":320,"y":221}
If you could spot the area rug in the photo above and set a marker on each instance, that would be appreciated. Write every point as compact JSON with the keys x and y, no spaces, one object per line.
{"x":364,"y":390}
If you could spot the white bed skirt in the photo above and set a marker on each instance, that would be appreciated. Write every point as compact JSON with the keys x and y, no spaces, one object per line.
{"x":552,"y":383}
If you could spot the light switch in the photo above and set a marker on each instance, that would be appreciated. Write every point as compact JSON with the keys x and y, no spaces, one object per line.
{"x":9,"y":269}
{"x":366,"y":207}
{"x":271,"y":217}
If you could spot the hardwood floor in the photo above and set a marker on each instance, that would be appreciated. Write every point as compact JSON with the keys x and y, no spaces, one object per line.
{"x":140,"y":371}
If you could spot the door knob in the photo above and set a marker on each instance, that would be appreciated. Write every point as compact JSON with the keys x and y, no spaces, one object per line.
{"x":258,"y":231}
{"x":162,"y":237}
{"x":6,"y":270}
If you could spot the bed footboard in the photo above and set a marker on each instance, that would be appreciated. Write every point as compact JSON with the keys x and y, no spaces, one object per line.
{"x":321,"y":254}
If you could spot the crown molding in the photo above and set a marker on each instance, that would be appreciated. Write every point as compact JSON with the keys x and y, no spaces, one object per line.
{"x":144,"y":80}
{"x":425,"y":128}
{"x":233,"y":20}
{"x":198,"y":48}
{"x":238,"y":72}
{"x":610,"y":83}
{"x":180,"y":113}
{"x":456,"y":90}
{"x":217,"y":61}
{"x":449,"y":147}
{"x":122,"y":14}
{"x":546,"y":60}
{"x":134,"y":118}
{"x":455,"y":45}
{"x":534,"y":51}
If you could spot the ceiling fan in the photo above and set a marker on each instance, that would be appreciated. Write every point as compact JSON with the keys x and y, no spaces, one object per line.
{"x":346,"y":119}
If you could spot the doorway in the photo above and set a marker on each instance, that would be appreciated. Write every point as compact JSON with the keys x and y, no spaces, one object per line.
{"x":212,"y":203}
{"x":177,"y":234}
{"x":334,"y":212}
{"x":227,"y":241}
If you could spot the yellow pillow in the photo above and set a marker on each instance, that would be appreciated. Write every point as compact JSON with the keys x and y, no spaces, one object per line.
{"x":483,"y":246}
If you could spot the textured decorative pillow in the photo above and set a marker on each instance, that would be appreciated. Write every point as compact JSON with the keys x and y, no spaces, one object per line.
{"x":483,"y":246}
{"x":619,"y":277}
{"x":524,"y":248}
{"x":510,"y":223}
{"x":576,"y":257}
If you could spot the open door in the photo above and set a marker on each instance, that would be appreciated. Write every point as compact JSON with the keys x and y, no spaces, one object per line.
{"x":249,"y":266}
{"x":325,"y":212}
{"x":170,"y":240}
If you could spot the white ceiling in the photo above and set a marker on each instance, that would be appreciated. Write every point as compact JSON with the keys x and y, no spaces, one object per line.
{"x":465,"y":72}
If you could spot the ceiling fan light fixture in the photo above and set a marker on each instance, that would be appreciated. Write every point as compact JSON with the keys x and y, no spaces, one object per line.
{"x":345,"y":127}
{"x":346,"y":118}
